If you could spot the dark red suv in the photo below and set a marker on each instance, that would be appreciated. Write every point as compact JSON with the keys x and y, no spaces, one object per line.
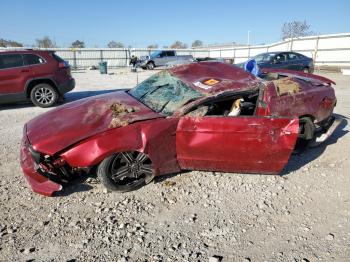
{"x":36,"y":75}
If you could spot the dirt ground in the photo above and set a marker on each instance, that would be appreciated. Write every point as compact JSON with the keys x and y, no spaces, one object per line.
{"x":303,"y":215}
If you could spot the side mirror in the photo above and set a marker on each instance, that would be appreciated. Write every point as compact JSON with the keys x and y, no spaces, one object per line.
{"x":275,"y":61}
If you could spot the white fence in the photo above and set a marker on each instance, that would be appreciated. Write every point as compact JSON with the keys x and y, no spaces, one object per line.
{"x":328,"y":50}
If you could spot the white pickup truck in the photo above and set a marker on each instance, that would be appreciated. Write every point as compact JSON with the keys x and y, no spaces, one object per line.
{"x":161,"y":58}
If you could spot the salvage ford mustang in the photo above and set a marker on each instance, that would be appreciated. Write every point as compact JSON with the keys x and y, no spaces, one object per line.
{"x":200,"y":116}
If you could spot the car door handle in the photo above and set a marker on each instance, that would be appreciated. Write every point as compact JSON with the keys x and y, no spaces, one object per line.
{"x":24,"y":71}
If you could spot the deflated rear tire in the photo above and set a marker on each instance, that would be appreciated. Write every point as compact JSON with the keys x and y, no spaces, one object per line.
{"x":125,"y":171}
{"x":44,"y":95}
{"x":306,"y":134}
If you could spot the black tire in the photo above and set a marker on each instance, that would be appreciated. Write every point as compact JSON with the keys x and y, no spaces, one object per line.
{"x":125,"y":171}
{"x":44,"y":95}
{"x":150,"y":65}
{"x":306,"y":134}
{"x":306,"y":70}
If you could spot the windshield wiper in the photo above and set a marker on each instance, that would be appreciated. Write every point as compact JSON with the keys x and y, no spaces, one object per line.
{"x":159,"y":111}
{"x":152,"y":91}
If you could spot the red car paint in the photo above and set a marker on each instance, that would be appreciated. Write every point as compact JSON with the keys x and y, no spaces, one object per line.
{"x":79,"y":133}
{"x":247,"y":144}
{"x":229,"y":77}
{"x":87,"y":117}
{"x":39,"y":183}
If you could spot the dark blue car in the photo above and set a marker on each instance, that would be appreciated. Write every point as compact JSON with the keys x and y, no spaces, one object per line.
{"x":285,"y":60}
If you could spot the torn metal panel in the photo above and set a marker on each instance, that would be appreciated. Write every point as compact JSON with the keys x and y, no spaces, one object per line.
{"x":295,"y":98}
{"x":286,"y":86}
{"x":298,"y":74}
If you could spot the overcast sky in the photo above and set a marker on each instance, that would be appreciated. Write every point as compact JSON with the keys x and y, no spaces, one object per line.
{"x":140,"y":23}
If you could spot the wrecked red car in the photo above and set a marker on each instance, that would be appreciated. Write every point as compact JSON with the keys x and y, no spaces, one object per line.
{"x":201,"y":116}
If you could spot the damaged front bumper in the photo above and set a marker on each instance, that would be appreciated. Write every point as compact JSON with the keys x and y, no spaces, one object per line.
{"x":35,"y":176}
{"x":325,"y":133}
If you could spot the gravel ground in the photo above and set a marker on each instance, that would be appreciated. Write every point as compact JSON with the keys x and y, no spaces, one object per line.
{"x":303,"y":215}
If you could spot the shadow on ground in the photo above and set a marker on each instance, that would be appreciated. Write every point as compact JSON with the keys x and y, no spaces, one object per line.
{"x":299,"y":160}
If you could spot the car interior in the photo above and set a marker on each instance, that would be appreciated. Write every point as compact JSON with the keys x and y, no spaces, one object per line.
{"x":235,"y":105}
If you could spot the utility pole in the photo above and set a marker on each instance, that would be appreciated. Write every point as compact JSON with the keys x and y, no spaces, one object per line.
{"x":248,"y":38}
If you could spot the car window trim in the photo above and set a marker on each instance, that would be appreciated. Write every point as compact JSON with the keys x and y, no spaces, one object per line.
{"x":15,"y":66}
{"x":23,"y":62}
{"x":36,"y":55}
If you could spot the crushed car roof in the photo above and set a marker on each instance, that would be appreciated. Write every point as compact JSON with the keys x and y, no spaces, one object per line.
{"x":214,"y":77}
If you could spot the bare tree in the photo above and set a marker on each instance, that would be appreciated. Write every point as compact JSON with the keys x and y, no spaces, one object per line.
{"x":178,"y":44}
{"x":45,"y":42}
{"x":113,"y":44}
{"x":197,"y":43}
{"x":295,"y":29}
{"x":152,"y":46}
{"x":78,"y":44}
{"x":9,"y":43}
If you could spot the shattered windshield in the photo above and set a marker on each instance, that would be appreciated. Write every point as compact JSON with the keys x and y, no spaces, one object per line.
{"x":164,"y":93}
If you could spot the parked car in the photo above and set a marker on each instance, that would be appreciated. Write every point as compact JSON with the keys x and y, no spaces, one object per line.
{"x":33,"y":75}
{"x":201,"y":116}
{"x":284,"y":60}
{"x":161,"y":58}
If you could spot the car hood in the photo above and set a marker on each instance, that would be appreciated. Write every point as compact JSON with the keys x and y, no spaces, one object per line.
{"x":66,"y":125}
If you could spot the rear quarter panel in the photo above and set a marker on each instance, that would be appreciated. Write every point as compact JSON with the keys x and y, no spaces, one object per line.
{"x":311,"y":100}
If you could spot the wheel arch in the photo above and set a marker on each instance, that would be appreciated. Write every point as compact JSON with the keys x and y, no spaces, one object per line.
{"x":155,"y":138}
{"x":36,"y":81}
{"x":303,"y":119}
{"x":92,"y":151}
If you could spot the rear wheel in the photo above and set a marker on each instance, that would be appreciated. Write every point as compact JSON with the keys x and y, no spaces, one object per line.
{"x":306,"y":134}
{"x":125,"y":171}
{"x":44,"y":95}
{"x":306,"y":70}
{"x":150,"y":65}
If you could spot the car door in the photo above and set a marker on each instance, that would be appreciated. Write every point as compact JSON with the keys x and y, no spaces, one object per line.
{"x":294,"y":62}
{"x":280,"y":61}
{"x":160,"y":59}
{"x":171,"y":56}
{"x":12,"y":74}
{"x":235,"y":144}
